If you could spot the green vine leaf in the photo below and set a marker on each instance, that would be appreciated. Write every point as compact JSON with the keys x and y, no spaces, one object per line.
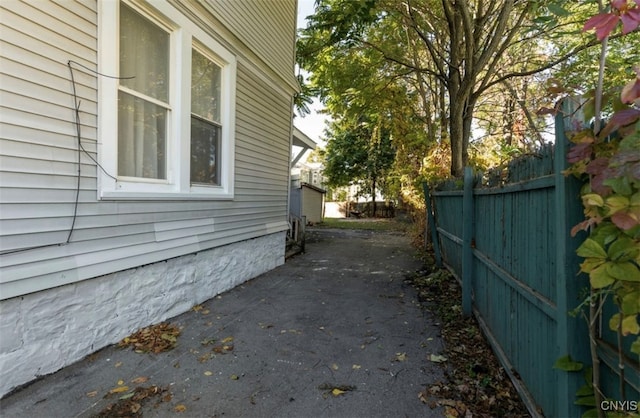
{"x":631,"y":303}
{"x":590,"y":248}
{"x":600,"y":277}
{"x":567,"y":364}
{"x":586,"y":400}
{"x":614,"y":322}
{"x":628,"y":326}
{"x":585,"y":390}
{"x":620,"y":185}
{"x":605,"y":233}
{"x":616,"y":203}
{"x":623,"y":249}
{"x":588,"y":376}
{"x":625,"y":271}
{"x":635,"y":346}
{"x":591,"y":264}
{"x":593,"y":199}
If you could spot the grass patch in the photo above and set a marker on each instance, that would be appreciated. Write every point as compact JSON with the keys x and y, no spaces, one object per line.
{"x":370,"y":224}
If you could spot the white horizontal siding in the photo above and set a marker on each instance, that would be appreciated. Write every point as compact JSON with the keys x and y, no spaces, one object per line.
{"x":273,"y":42}
{"x":39,"y":154}
{"x":51,"y":71}
{"x":28,"y":17}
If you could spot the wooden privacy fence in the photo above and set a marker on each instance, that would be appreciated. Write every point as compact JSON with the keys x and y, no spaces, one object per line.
{"x":507,"y":240}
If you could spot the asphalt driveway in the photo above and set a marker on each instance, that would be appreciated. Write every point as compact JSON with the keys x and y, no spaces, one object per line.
{"x":335,"y":332}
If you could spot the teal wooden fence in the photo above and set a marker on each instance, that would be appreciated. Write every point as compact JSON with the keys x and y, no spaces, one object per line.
{"x":506,"y":237}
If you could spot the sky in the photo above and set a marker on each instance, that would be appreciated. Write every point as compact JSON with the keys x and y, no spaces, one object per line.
{"x":312,"y":125}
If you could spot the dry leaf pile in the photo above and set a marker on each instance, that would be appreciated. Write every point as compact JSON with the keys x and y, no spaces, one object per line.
{"x":130,"y":404}
{"x":152,"y":339}
{"x":476,"y":383}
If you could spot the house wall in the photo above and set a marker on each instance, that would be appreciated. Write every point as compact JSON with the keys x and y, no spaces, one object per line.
{"x":295,"y":200}
{"x":268,"y":44}
{"x":39,"y":174}
{"x":45,"y":331}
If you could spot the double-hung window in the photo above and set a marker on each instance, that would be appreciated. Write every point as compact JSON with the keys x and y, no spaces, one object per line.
{"x":205,"y":120}
{"x":166,"y":121}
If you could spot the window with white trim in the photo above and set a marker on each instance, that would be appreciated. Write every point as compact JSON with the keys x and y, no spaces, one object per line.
{"x":166,"y":122}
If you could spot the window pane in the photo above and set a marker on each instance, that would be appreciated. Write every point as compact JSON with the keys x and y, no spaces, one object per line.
{"x":205,"y":152}
{"x":144,"y":55}
{"x":205,"y":87}
{"x":141,"y":138}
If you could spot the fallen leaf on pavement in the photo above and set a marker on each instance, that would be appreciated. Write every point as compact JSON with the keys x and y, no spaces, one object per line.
{"x":335,"y":390}
{"x":180,"y":408}
{"x":119,"y":389}
{"x":222,"y":349}
{"x":401,"y":357}
{"x":208,"y":341}
{"x":127,"y":396}
{"x":437,"y":358}
{"x":139,"y":380}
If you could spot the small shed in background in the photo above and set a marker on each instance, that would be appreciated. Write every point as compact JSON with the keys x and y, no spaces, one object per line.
{"x":307,"y":200}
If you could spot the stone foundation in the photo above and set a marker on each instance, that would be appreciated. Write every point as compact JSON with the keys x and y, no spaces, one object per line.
{"x":42,"y":332}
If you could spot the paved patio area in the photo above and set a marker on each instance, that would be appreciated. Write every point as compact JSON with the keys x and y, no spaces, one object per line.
{"x":335,"y":332}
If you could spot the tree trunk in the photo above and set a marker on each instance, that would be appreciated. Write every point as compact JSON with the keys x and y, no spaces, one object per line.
{"x":467,"y":120}
{"x":444,"y":121}
{"x":456,"y":134}
{"x":373,"y":197}
{"x":460,"y":131}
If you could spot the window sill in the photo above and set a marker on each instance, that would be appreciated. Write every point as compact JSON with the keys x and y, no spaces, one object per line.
{"x":118,"y":195}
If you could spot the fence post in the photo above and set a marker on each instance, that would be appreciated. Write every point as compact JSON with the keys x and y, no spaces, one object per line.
{"x":432,"y":226}
{"x":467,"y":241}
{"x":571,"y":332}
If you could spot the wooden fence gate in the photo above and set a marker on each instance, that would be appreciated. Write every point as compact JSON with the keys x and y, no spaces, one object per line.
{"x":507,"y":240}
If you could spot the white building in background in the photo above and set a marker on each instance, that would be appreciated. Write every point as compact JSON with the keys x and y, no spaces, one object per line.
{"x":309,"y":173}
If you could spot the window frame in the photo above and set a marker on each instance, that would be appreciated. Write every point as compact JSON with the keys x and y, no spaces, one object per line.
{"x":184,"y":37}
{"x":203,"y":51}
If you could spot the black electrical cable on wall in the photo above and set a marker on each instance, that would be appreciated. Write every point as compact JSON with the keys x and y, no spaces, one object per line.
{"x":81,"y":149}
{"x":76,"y":108}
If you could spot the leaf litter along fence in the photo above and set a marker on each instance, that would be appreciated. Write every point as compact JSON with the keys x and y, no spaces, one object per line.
{"x":506,"y":237}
